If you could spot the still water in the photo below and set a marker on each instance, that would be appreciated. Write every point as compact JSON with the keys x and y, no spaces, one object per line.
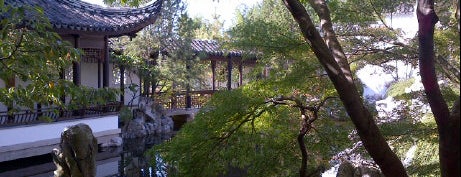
{"x":129,"y":160}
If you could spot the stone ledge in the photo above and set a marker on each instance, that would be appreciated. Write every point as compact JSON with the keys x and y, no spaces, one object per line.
{"x":45,"y":146}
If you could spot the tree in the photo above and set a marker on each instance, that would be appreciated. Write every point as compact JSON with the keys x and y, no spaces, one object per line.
{"x":32,"y":53}
{"x":330,"y":53}
{"x":254,"y":128}
{"x":331,"y":56}
{"x":247,"y":130}
{"x":448,"y":123}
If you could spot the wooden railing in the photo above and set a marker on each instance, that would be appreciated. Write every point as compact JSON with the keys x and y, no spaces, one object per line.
{"x":25,"y":117}
{"x":179,"y":100}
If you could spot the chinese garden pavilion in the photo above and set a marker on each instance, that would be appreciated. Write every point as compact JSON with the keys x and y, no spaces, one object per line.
{"x":88,"y":27}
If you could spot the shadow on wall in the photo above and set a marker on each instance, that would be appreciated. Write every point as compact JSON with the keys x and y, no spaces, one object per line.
{"x":179,"y":121}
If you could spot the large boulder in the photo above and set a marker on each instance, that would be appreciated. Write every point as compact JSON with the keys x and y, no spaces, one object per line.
{"x":134,"y":129}
{"x":76,"y":154}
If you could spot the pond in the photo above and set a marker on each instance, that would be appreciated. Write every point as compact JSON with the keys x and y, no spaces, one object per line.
{"x":126,"y":161}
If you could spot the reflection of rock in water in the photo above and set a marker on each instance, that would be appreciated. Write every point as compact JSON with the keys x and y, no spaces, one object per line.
{"x":134,"y":160}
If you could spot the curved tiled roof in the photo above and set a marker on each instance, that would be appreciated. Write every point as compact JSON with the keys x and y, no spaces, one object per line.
{"x":75,"y":16}
{"x":212,"y":47}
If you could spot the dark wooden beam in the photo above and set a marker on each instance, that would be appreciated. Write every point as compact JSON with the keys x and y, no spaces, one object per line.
{"x":240,"y":74}
{"x":99,"y":71}
{"x":62,"y":76}
{"x":188,"y":97}
{"x":10,"y":83}
{"x":105,"y":67}
{"x":76,"y":69}
{"x":213,"y":75}
{"x":122,"y":84}
{"x":229,"y":73}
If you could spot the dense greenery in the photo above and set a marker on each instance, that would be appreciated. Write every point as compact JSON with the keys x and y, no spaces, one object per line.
{"x":32,"y":59}
{"x":254,"y":129}
{"x":244,"y":112}
{"x":242,"y":129}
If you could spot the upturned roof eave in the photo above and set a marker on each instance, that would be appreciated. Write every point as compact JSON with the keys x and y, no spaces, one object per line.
{"x":78,"y":17}
{"x":129,"y":31}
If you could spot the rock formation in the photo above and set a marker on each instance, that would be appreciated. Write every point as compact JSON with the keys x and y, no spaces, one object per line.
{"x":76,"y":154}
{"x":148,"y":120}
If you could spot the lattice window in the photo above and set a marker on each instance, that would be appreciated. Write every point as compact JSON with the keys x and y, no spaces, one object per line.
{"x":92,"y":55}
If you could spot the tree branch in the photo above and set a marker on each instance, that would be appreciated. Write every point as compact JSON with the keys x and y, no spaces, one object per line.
{"x":16,"y":46}
{"x":367,"y":129}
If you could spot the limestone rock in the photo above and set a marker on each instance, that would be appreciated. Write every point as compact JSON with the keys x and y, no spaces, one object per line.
{"x":134,"y":129}
{"x":347,"y":169}
{"x":76,"y":154}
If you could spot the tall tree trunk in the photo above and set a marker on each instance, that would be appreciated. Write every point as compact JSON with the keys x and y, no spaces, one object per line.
{"x":448,"y":125}
{"x":366,"y":127}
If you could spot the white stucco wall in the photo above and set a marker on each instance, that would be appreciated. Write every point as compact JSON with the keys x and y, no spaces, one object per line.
{"x":89,"y":77}
{"x":89,"y":74}
{"x":131,"y":78}
{"x":46,"y":131}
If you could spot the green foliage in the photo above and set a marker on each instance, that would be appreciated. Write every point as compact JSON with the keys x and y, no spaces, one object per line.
{"x":405,"y":134}
{"x":239,"y":129}
{"x":86,"y":96}
{"x":210,"y":30}
{"x":397,"y":90}
{"x":31,"y":53}
{"x":125,"y":114}
{"x":450,"y":94}
{"x":269,"y":19}
{"x":357,"y":11}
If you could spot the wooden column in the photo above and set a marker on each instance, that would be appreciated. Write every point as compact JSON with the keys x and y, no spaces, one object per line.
{"x":62,"y":76}
{"x":229,"y":73}
{"x":240,"y":73}
{"x":10,"y":83}
{"x":39,"y":110}
{"x":188,"y":97}
{"x":146,"y":88}
{"x":99,"y":71}
{"x":213,"y":75}
{"x":105,"y":67}
{"x":76,"y":69}
{"x":122,"y":84}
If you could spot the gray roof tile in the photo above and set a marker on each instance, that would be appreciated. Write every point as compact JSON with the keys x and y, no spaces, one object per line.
{"x":75,"y":16}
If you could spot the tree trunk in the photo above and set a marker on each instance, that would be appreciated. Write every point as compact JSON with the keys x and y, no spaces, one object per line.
{"x":448,"y":125}
{"x":366,"y":127}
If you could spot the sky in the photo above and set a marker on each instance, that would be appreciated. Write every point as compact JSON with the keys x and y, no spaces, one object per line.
{"x":206,"y":8}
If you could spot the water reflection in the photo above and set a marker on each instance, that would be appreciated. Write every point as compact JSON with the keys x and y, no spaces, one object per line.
{"x":130,"y":160}
{"x":135,"y":162}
